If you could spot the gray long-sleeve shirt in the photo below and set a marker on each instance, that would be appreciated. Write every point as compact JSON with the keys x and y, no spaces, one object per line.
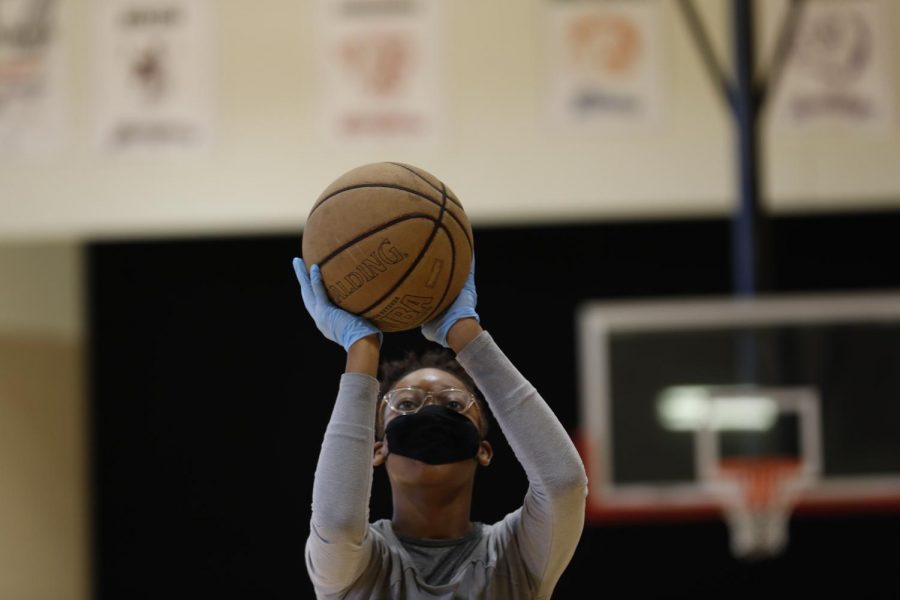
{"x":520,"y":556}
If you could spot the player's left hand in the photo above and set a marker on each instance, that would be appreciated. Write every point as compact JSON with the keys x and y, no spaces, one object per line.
{"x":463,"y":306}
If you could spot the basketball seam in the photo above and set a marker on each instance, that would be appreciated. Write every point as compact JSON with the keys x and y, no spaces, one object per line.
{"x":443,"y":228}
{"x":425,"y":246}
{"x":372,"y":231}
{"x":360,"y":186}
{"x":464,"y":231}
{"x":449,"y":197}
{"x":434,"y":187}
{"x":395,"y":187}
{"x":462,"y":228}
{"x":452,"y":269}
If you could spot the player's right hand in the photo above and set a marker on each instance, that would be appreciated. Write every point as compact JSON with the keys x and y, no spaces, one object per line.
{"x":335,"y":323}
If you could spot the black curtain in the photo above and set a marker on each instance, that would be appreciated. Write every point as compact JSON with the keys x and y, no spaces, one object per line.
{"x":211,"y":389}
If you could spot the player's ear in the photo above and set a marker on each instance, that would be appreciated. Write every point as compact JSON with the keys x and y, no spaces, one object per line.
{"x":380,"y":453}
{"x":485,"y":453}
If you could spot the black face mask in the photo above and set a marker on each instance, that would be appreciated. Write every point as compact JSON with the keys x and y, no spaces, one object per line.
{"x":435,"y":435}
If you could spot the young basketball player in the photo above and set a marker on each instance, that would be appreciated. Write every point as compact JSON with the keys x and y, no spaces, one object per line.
{"x":427,"y":430}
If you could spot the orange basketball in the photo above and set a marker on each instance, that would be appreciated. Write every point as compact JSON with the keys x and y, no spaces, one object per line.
{"x":393,"y":243}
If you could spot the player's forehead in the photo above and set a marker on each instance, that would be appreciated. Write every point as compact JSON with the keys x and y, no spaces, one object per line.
{"x":430,"y":379}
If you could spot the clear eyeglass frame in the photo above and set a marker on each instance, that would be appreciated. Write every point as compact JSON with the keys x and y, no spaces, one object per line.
{"x":455,"y":399}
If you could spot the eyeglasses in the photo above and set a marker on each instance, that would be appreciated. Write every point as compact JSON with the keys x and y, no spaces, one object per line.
{"x":409,"y":399}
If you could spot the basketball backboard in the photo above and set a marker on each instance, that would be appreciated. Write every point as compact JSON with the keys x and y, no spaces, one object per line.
{"x":802,"y":389}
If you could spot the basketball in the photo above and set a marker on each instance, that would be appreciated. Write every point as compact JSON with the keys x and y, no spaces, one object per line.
{"x":393,"y":243}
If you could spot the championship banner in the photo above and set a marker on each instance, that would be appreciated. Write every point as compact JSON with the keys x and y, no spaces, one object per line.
{"x":840,"y":67}
{"x":604,"y":64}
{"x":153,"y":78}
{"x":32,"y":77}
{"x":380,"y":77}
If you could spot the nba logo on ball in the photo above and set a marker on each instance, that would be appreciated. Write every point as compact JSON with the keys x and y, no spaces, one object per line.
{"x":393,"y":243}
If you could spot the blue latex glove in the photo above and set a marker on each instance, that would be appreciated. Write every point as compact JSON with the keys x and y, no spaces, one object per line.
{"x":463,"y":306}
{"x":336,"y":324}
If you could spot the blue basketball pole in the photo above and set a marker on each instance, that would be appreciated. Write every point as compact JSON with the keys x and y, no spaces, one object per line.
{"x":751,"y":268}
{"x":751,"y":271}
{"x":746,"y":234}
{"x":747,"y":219}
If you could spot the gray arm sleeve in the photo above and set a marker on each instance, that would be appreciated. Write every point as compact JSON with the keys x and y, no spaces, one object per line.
{"x":552,"y":516}
{"x":337,"y":549}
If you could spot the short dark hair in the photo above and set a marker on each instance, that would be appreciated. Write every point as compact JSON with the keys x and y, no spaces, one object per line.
{"x":392,"y":371}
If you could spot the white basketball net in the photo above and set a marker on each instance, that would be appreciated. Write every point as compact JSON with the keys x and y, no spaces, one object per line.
{"x":757,"y":496}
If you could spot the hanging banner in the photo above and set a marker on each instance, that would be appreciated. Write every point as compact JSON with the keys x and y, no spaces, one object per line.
{"x":839,"y":70}
{"x":153,"y":75}
{"x":32,"y":77}
{"x":604,"y":64}
{"x":380,"y":77}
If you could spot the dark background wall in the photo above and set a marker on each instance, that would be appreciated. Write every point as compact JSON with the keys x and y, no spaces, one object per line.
{"x":211,"y":388}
